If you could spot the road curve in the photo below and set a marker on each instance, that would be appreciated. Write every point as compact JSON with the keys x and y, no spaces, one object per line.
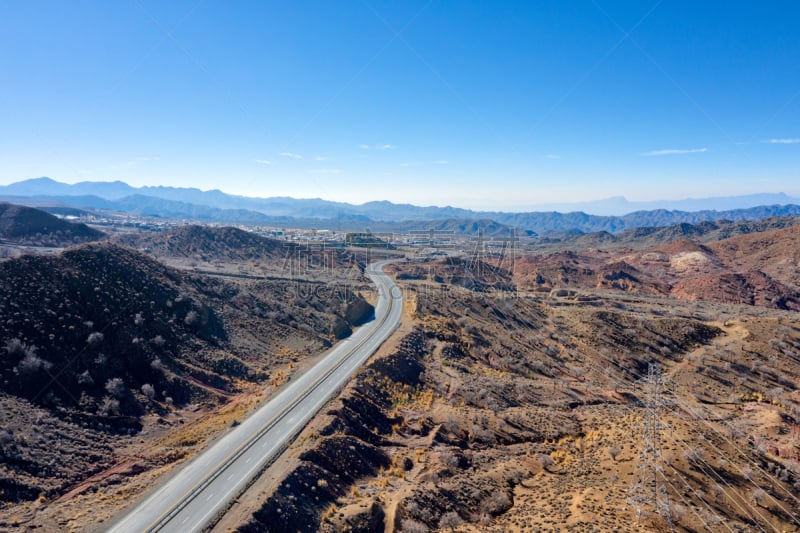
{"x":202,"y":489}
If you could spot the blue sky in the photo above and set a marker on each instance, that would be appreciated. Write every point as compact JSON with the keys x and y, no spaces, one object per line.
{"x":474,"y":104}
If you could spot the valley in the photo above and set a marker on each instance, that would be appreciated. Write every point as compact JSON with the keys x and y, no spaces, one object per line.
{"x":513,"y":397}
{"x":399,"y":267}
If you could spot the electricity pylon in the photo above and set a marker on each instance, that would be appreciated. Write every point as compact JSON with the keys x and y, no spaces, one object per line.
{"x":647,"y":492}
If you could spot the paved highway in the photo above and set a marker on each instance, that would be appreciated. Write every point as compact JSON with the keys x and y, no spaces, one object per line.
{"x":197,"y":493}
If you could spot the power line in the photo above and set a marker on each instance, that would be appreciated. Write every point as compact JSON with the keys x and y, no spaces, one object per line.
{"x":646,"y":493}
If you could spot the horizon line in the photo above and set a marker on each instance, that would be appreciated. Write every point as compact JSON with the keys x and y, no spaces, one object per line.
{"x":548,"y":206}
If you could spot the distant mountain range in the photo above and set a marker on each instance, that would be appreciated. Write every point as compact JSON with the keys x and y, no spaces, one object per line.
{"x":638,"y":238}
{"x":217,"y":206}
{"x":619,"y":205}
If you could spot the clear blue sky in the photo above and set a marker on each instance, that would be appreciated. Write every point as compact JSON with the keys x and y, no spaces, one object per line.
{"x":475,"y":104}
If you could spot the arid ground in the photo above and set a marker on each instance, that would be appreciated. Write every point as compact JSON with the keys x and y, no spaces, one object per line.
{"x":648,"y":388}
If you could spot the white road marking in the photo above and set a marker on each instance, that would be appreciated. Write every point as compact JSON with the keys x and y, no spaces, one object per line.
{"x":346,"y":362}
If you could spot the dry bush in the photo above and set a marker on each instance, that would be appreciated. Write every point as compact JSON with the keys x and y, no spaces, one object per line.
{"x":614,"y":451}
{"x":409,"y":525}
{"x":450,"y":520}
{"x":497,"y":503}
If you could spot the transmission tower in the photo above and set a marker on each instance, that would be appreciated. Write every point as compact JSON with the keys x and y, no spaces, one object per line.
{"x":647,"y":492}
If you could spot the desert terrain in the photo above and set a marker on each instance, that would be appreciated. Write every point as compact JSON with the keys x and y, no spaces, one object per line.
{"x":117,"y":368}
{"x":534,"y":421}
{"x":399,"y":266}
{"x":637,"y":389}
{"x":644,"y":388}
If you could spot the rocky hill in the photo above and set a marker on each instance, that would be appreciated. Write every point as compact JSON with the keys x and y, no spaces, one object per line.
{"x":204,"y":242}
{"x":496,"y":414}
{"x":776,"y":253}
{"x":756,"y":269}
{"x":648,"y":236}
{"x":471,"y":273}
{"x":228,"y":251}
{"x":100,"y":338}
{"x":26,"y":225}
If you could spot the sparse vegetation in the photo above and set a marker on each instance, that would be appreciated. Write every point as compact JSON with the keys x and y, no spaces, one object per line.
{"x":510,"y":401}
{"x":94,"y":341}
{"x":532,"y":406}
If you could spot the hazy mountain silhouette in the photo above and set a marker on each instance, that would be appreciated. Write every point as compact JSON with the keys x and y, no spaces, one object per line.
{"x":215,"y":205}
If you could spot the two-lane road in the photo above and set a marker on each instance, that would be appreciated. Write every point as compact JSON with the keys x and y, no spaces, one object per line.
{"x":197,"y":493}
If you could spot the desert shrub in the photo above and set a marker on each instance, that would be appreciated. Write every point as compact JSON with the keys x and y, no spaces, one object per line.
{"x":149,"y":391}
{"x":15,"y":347}
{"x":109,"y":406}
{"x":614,"y":451}
{"x":450,"y":520}
{"x":413,"y":508}
{"x":192,"y":318}
{"x":497,"y":503}
{"x":31,"y":363}
{"x":694,"y":455}
{"x":87,"y":403}
{"x":482,"y":435}
{"x":758,"y":495}
{"x":448,"y":458}
{"x":115,"y":387}
{"x":413,"y":526}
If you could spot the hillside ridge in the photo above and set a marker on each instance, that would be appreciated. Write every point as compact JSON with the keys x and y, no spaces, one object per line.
{"x":218,"y":206}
